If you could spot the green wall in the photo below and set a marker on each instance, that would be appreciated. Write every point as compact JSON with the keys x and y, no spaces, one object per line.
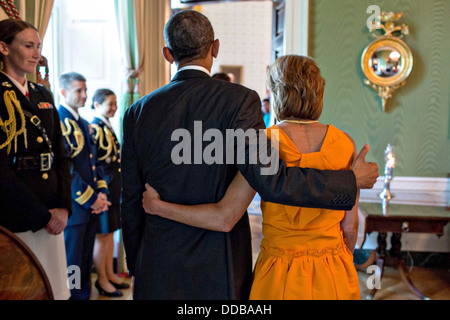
{"x":416,"y":121}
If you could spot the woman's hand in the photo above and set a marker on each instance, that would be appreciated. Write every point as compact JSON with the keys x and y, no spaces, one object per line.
{"x":150,"y":199}
{"x":58,"y":222}
{"x":101,"y":204}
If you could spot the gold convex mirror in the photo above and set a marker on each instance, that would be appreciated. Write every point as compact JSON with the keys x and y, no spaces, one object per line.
{"x":387,"y":61}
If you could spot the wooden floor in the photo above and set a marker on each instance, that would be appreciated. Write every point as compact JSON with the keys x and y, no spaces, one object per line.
{"x":432,"y":282}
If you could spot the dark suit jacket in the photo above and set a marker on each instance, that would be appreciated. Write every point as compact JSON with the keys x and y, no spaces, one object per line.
{"x":87,"y":172}
{"x":27,"y":195}
{"x":175,"y":261}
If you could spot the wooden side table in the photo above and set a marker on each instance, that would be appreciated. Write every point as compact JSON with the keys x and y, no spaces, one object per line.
{"x":399,"y":219}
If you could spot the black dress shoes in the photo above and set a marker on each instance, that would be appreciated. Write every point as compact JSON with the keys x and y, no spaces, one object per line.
{"x":115,"y":294}
{"x":120,"y":286}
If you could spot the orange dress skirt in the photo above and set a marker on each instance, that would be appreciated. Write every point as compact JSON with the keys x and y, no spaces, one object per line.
{"x":303,"y":255}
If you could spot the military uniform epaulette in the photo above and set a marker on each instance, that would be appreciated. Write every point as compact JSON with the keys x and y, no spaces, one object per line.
{"x":12,"y":127}
{"x":70,"y":127}
{"x":6,"y":84}
{"x":106,"y":142}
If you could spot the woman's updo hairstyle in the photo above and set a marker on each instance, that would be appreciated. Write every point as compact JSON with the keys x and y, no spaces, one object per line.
{"x":100,"y":96}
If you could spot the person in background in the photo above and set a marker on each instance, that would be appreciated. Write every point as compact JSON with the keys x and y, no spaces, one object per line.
{"x":306,"y":253}
{"x":222,"y":76}
{"x":89,"y":189}
{"x":35,"y":199}
{"x":232,"y":77}
{"x":265,"y":109}
{"x":108,"y":152}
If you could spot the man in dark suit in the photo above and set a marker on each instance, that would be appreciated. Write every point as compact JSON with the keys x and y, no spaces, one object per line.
{"x":89,"y":190}
{"x":174,"y":261}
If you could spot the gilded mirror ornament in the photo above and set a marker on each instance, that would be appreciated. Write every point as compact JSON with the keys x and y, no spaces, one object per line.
{"x":387,"y":61}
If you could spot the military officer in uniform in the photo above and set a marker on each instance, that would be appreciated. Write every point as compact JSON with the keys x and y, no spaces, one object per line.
{"x":34,"y":164}
{"x":108,"y":148}
{"x":89,"y":190}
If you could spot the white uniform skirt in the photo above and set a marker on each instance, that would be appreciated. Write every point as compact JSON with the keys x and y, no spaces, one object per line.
{"x":51,"y":253}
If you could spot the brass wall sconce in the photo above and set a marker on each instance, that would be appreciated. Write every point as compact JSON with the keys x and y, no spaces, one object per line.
{"x":387,"y":61}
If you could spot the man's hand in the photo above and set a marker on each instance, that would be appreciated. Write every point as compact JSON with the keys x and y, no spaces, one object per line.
{"x":101,"y":204}
{"x":366,"y":173}
{"x":149,"y":199}
{"x":58,"y":222}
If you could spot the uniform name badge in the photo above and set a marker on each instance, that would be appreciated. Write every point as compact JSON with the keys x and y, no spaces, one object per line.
{"x":45,"y":106}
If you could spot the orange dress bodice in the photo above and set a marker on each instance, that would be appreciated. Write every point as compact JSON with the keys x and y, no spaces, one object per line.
{"x":303,"y":255}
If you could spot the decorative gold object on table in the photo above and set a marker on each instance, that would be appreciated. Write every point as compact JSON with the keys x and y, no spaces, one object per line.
{"x":387,"y":61}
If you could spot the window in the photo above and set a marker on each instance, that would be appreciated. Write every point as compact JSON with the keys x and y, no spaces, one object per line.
{"x":82,"y":37}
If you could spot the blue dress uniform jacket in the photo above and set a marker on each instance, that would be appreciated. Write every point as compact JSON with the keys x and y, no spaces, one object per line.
{"x":108,"y":151}
{"x":87,"y":183}
{"x":87,"y":172}
{"x":34,"y":166}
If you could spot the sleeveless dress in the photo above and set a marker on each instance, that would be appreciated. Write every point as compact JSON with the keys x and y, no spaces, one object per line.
{"x":303,"y":255}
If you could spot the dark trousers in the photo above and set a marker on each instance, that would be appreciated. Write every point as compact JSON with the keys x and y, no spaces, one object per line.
{"x":80,"y":240}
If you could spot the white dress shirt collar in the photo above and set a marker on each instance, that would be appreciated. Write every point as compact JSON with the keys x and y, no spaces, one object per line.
{"x":22,"y":88}
{"x":193,"y":67}
{"x":98,"y":115}
{"x":73,"y":112}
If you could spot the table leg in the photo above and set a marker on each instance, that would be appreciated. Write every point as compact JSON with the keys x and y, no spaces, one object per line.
{"x":396,"y":245}
{"x":382,"y":244}
{"x":404,"y":275}
{"x":401,"y":265}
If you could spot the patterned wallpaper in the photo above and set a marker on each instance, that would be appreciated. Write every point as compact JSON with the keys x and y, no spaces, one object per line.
{"x":416,"y":121}
{"x":245,"y":33}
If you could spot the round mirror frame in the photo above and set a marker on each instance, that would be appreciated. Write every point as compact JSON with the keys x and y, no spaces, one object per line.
{"x":394,"y":44}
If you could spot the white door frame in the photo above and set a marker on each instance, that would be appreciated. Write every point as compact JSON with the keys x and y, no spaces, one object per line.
{"x":296,"y":30}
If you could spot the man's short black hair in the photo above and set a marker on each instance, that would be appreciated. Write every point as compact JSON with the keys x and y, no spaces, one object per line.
{"x":189,"y":35}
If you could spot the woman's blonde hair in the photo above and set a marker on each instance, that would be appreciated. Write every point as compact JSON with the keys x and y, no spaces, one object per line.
{"x":297,"y":88}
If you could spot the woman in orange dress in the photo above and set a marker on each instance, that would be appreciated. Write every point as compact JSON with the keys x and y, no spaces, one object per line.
{"x":306,"y":253}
